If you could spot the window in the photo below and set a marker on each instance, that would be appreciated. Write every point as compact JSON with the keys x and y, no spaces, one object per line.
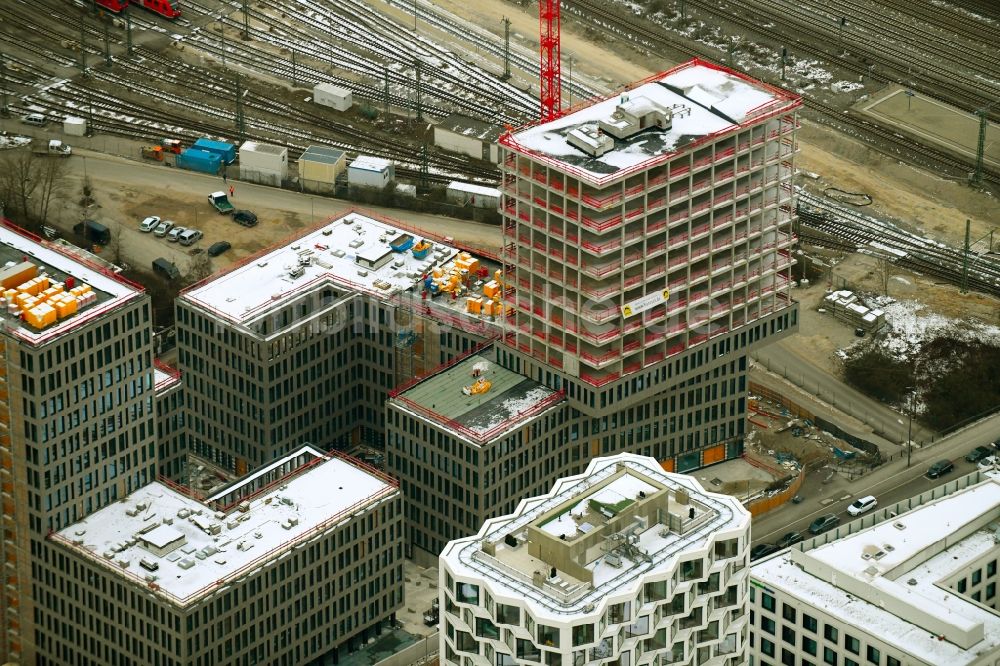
{"x":467,"y":593}
{"x":548,"y":636}
{"x":767,"y":624}
{"x":767,"y":647}
{"x":528,"y":650}
{"x":788,"y":635}
{"x":829,"y":656}
{"x":830,"y":633}
{"x":961,"y":586}
{"x":977,"y":576}
{"x":583,"y":634}
{"x":809,"y":623}
{"x":767,"y":601}
{"x":891,"y":661}
{"x":466,"y":643}
{"x":809,"y":645}
{"x":508,"y":614}
{"x":788,"y":658}
{"x":991,"y":590}
{"x":486,"y":629}
{"x":874,"y":656}
{"x":991,"y":568}
{"x":852,"y":644}
{"x":788,"y":612}
{"x":850,"y":662}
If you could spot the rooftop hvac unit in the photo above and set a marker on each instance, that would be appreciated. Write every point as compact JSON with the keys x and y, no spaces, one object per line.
{"x":244,"y":506}
{"x":149,"y":565}
{"x":613,"y":560}
{"x":296,"y":272}
{"x":219,"y":515}
{"x":232,"y":524}
{"x":131,"y":512}
{"x":327,"y":232}
{"x":338,"y":253}
{"x":186,"y":563}
{"x":244,"y":546}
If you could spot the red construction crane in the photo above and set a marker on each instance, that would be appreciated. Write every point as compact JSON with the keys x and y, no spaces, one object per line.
{"x":551,"y":76}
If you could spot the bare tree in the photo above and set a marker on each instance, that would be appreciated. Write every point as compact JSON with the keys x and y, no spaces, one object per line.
{"x":200,"y":267}
{"x":883,"y":272}
{"x":51,"y":177}
{"x":116,"y":245}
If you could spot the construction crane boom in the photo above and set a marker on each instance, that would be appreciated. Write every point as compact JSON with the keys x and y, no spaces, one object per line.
{"x":550,"y":71}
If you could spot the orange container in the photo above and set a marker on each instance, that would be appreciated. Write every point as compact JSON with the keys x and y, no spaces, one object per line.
{"x":491,"y":288}
{"x":714,"y":455}
{"x":474,"y":305}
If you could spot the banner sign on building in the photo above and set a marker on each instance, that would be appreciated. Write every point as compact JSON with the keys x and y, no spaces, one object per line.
{"x":647,"y":302}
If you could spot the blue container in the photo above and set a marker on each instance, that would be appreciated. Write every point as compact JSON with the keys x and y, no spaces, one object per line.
{"x":199,"y":160}
{"x":226,"y":151}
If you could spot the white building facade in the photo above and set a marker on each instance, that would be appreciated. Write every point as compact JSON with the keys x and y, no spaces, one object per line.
{"x":625,"y":564}
{"x":901,"y":586}
{"x":368,"y":171}
{"x":263,"y":163}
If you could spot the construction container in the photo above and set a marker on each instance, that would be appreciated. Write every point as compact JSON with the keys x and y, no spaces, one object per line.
{"x":421,"y":249}
{"x":491,"y":289}
{"x":17,"y":274}
{"x":195,"y":159}
{"x":335,"y":97}
{"x":74,"y":126}
{"x":474,"y":304}
{"x":263,"y":163}
{"x":368,"y":171}
{"x":461,"y":134}
{"x":401,"y":243}
{"x":40,"y":316}
{"x":225,"y":150}
{"x":477,"y":196}
{"x":320,"y":167}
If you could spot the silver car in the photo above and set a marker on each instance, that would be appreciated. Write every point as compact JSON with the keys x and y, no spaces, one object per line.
{"x":189,"y":237}
{"x":149,"y":223}
{"x":163,"y":228}
{"x":175,"y":234}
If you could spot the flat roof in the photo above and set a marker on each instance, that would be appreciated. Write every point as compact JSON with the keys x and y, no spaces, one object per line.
{"x":470,"y":127}
{"x":326,"y":255}
{"x":268,"y":148}
{"x":165,"y":377}
{"x":510,"y":399}
{"x":322,"y":154}
{"x":614,"y":497}
{"x":891,"y":578}
{"x":474,"y":189}
{"x":216,"y":549}
{"x":370,"y":163}
{"x":58,"y":264}
{"x":717,"y":101}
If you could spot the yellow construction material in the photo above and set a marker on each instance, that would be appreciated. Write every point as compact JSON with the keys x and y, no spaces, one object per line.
{"x":498,"y":275}
{"x":437,"y":271}
{"x":41,"y":315}
{"x":18,"y":274}
{"x":66,"y":306}
{"x":474,"y":304}
{"x":488,"y":308}
{"x":490,"y":288}
{"x":56,"y":288}
{"x":480,"y":386}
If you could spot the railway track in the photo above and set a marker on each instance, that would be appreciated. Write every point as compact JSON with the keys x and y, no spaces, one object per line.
{"x":853,"y":231}
{"x":892,"y":143}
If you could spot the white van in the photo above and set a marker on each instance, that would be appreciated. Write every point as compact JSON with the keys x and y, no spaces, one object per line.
{"x":36,"y":119}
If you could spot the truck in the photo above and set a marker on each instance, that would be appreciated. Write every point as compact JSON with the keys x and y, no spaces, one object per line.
{"x":220,"y":202}
{"x":54,"y":147}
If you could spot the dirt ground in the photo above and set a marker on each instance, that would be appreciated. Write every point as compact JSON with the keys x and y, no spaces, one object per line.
{"x":821,"y":335}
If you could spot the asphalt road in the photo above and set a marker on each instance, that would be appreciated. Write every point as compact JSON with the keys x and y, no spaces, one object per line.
{"x":883,"y":420}
{"x":889,"y":483}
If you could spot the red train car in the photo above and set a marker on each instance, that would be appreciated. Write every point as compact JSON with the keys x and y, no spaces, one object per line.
{"x":115,"y":6}
{"x":169,"y":8}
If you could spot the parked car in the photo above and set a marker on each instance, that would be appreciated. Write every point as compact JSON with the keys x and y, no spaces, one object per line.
{"x":862,"y":505}
{"x":149,"y":223}
{"x":988,"y":463}
{"x":189,"y":237}
{"x":762,"y":550}
{"x":218,"y":248}
{"x":166,"y":268}
{"x":175,"y":234}
{"x":245,"y":217}
{"x":940,"y":468}
{"x":163,"y":228}
{"x":977,"y":454}
{"x":823,"y":523}
{"x":36,"y":119}
{"x":790,"y":539}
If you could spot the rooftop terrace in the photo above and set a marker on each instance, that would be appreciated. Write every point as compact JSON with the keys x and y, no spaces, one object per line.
{"x":64,"y":273}
{"x":891,"y":578}
{"x":703,"y":100}
{"x":478,"y":398}
{"x":184,"y":549}
{"x":595,"y":534}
